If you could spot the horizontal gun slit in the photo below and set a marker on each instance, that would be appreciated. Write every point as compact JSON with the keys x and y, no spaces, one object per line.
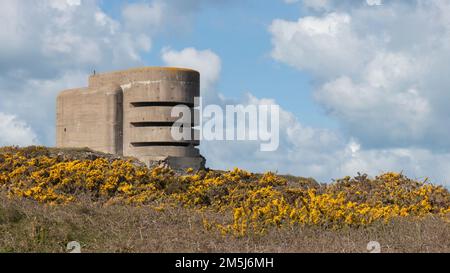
{"x":160,"y":144}
{"x":160,"y":103}
{"x":160,"y":124}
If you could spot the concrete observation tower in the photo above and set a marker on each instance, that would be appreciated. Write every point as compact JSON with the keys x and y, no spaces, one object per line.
{"x":129,"y":113}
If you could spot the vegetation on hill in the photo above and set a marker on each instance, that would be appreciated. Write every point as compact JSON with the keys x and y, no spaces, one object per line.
{"x":234,"y":203}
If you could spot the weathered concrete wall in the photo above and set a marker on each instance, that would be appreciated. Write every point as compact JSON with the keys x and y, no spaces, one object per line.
{"x":90,"y":118}
{"x":148,"y":100}
{"x":129,"y":113}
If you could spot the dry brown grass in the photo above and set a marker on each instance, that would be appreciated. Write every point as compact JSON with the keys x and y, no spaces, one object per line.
{"x":26,"y":226}
{"x":112,"y":205}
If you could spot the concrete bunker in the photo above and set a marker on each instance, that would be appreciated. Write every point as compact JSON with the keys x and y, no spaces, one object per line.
{"x":129,"y":113}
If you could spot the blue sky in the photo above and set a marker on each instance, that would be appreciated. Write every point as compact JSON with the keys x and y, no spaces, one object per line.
{"x":362,"y":84}
{"x":238,"y":33}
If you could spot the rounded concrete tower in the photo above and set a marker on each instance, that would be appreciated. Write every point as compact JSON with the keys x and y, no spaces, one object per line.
{"x":144,"y":108}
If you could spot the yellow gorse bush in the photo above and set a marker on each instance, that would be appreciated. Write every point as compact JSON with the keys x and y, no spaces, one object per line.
{"x":253,"y":202}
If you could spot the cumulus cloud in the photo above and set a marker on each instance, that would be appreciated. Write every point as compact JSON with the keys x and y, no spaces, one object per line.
{"x":47,"y":46}
{"x":303,"y":150}
{"x":320,"y":45}
{"x":317,"y":4}
{"x":143,"y":16}
{"x":15,"y":131}
{"x":328,"y":5}
{"x":377,"y":68}
{"x":309,"y":151}
{"x":50,"y":45}
{"x":33,"y":100}
{"x":62,"y":35}
{"x":374,"y":2}
{"x":206,"y":62}
{"x":153,"y":16}
{"x":368,"y":76}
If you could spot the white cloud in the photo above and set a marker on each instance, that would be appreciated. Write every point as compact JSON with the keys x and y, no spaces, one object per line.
{"x":63,"y":35}
{"x":376,"y":69}
{"x":153,"y":16}
{"x":50,"y":45}
{"x":334,"y":5}
{"x":64,"y":5}
{"x":316,"y":152}
{"x":143,"y":16}
{"x":320,"y":45}
{"x":206,"y":62}
{"x":15,"y":132}
{"x":380,"y":73}
{"x":380,"y":70}
{"x":33,"y":100}
{"x":316,"y":4}
{"x":374,"y":2}
{"x":302,"y":149}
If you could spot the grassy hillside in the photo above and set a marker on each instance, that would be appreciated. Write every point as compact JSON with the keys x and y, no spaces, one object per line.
{"x":49,"y":197}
